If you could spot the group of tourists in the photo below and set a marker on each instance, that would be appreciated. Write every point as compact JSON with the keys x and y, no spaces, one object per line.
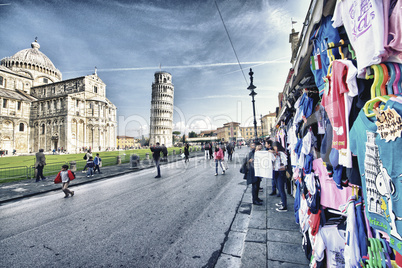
{"x":269,"y":160}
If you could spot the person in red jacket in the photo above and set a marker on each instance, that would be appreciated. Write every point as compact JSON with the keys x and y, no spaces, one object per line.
{"x":65,"y":176}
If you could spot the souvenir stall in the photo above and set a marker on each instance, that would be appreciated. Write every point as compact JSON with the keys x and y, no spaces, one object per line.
{"x":344,"y":138}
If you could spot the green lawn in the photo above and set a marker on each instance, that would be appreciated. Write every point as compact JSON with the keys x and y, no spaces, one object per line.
{"x":16,"y":167}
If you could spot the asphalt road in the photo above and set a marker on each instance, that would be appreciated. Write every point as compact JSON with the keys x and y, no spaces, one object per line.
{"x":135,"y":220}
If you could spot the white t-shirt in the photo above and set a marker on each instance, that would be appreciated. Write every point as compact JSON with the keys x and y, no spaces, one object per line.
{"x":64,"y":176}
{"x":364,"y":24}
{"x":280,"y":160}
{"x":332,"y":240}
{"x":352,"y":250}
{"x":263,"y":164}
{"x":345,"y":155}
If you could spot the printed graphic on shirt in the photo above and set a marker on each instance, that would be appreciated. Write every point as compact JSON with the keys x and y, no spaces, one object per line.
{"x":362,"y":17}
{"x":381,"y":192}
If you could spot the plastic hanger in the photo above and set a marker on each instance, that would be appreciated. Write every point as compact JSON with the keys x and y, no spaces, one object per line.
{"x":384,"y":73}
{"x":330,"y":55}
{"x":395,"y":85}
{"x":369,"y":104}
{"x":399,"y":86}
{"x":375,"y":82}
{"x":351,"y":52}
{"x":387,"y":258}
{"x":380,"y":79}
{"x":392,"y":74}
{"x":340,"y":49}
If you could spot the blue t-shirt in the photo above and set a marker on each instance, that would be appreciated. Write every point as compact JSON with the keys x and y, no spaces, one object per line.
{"x":321,"y":37}
{"x":380,"y":167}
{"x":306,"y":104}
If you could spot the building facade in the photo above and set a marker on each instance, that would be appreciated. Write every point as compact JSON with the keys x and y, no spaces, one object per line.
{"x":161,"y":121}
{"x":126,"y":142}
{"x":268,"y":124}
{"x":229,"y":132}
{"x":40,"y":110}
{"x":248,"y":132}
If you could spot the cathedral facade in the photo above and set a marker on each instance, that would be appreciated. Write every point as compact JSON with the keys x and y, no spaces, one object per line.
{"x":40,"y":110}
{"x":161,"y":122}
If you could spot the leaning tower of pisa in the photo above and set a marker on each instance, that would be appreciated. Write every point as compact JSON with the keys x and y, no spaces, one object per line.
{"x":161,"y":123}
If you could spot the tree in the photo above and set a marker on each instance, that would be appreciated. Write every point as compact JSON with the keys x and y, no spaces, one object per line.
{"x":192,"y":134}
{"x":176,"y":134}
{"x":184,"y":138}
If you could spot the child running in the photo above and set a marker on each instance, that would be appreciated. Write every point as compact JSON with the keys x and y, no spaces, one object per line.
{"x":65,"y":176}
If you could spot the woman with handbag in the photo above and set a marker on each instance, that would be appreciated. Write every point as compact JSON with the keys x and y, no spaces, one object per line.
{"x":280,"y":164}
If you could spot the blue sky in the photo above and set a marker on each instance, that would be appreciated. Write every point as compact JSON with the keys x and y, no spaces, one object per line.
{"x":128,"y":40}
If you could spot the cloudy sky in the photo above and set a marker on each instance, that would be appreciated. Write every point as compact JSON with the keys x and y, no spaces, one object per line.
{"x":128,"y":40}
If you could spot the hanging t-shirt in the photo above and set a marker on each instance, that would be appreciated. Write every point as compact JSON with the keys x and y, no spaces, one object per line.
{"x":381,"y":172}
{"x":361,"y":227}
{"x":331,"y":196}
{"x":334,"y":104}
{"x":263,"y":164}
{"x":332,"y":240}
{"x":323,"y":35}
{"x":345,"y":155}
{"x":364,"y":24}
{"x":393,"y":31}
{"x":352,"y":246}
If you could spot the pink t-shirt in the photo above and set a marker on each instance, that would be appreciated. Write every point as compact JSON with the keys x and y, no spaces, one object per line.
{"x":334,"y":104}
{"x":393,"y":31}
{"x":331,"y":195}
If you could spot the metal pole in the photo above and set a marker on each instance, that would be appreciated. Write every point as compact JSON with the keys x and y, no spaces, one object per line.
{"x":255,"y":121}
{"x":262,"y":128}
{"x":252,"y":94}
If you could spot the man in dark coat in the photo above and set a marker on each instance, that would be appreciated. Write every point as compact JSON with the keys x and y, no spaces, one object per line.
{"x":230,"y":149}
{"x":156,"y":154}
{"x":165,"y":153}
{"x":40,"y":164}
{"x":251,"y":178}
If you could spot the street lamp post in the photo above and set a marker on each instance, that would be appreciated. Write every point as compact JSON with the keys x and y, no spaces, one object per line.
{"x":262,"y":127}
{"x":252,"y":94}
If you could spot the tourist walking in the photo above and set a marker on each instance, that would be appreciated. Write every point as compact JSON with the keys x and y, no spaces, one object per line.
{"x":206,"y":150}
{"x":210,"y":151}
{"x":186,"y":153}
{"x":87,"y":155}
{"x":40,"y":164}
{"x":218,"y":156}
{"x":90,"y":166}
{"x":156,"y":155}
{"x":230,"y":150}
{"x":97,"y":163}
{"x":65,"y":176}
{"x":280,"y":164}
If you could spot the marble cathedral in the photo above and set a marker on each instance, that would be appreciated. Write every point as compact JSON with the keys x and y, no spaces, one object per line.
{"x":40,"y":110}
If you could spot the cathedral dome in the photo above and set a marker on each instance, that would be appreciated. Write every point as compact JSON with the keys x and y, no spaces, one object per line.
{"x":32,"y":58}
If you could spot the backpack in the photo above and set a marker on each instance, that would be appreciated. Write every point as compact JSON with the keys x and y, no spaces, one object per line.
{"x":85,"y":157}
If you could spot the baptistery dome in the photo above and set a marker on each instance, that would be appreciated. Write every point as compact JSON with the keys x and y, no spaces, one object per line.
{"x":32,"y":59}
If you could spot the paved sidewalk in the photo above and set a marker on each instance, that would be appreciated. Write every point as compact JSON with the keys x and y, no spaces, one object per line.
{"x":262,"y":237}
